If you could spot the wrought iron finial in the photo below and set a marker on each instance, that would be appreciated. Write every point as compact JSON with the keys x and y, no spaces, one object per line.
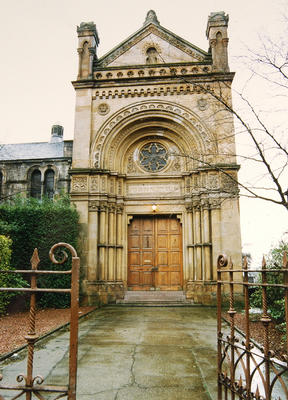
{"x":63,"y":253}
{"x":151,"y":18}
{"x":285,"y":261}
{"x":35,"y":259}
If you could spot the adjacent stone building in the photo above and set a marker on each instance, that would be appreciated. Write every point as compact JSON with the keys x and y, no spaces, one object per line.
{"x":154,"y":173}
{"x":36,"y":169}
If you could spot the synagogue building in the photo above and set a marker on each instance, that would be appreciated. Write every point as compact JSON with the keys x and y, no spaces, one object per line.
{"x":153,"y":171}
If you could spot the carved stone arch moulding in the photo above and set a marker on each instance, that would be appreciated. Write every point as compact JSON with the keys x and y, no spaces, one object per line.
{"x":158,"y":109}
{"x":118,"y":148}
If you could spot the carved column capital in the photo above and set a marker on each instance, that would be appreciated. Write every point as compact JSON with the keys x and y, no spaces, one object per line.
{"x":102,"y":207}
{"x":119,"y":209}
{"x":225,"y":42}
{"x":213,"y":42}
{"x":93,"y":205}
{"x":215,"y":203}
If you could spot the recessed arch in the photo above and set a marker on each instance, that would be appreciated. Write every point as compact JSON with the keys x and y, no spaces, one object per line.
{"x":181,"y":122}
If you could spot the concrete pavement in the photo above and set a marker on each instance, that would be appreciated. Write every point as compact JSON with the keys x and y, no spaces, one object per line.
{"x":135,"y":353}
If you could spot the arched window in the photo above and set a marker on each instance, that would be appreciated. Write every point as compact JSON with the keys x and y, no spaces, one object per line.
{"x":151,"y":56}
{"x":49,"y":183}
{"x":36,"y":184}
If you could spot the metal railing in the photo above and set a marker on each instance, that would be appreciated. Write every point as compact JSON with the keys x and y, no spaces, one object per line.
{"x":33,"y":385}
{"x":246,"y":370}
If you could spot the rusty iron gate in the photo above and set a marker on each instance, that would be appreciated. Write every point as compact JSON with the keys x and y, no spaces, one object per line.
{"x":245,"y":370}
{"x":33,"y":385}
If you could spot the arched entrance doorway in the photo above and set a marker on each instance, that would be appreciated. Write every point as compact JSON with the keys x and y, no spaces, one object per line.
{"x":155,"y":253}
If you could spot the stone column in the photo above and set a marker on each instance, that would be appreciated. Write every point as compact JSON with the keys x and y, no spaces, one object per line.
{"x":197,"y":242}
{"x":92,"y":52}
{"x":102,"y":243}
{"x":111,"y":243}
{"x":80,"y":52}
{"x":190,"y":272}
{"x":93,"y":272}
{"x":206,"y":241}
{"x":119,"y":242}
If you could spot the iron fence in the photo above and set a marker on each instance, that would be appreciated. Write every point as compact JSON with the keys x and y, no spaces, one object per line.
{"x":32,"y":386}
{"x":246,"y":370}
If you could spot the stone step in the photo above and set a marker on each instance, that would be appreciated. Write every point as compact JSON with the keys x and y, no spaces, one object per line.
{"x":156,"y":298}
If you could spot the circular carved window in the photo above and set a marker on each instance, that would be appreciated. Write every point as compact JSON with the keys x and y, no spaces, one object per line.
{"x":153,"y":157}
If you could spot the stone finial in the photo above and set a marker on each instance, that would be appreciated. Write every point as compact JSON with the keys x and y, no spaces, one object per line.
{"x":88,"y":29}
{"x":217,"y":19}
{"x":218,"y":16}
{"x":151,"y":18}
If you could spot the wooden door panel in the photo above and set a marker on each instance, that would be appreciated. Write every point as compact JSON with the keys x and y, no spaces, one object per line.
{"x":175,"y":258}
{"x":134,"y":278}
{"x":175,"y":277}
{"x":134,"y":242}
{"x":154,"y":242}
{"x":162,"y":242}
{"x":162,"y":258}
{"x":134,"y":259}
{"x":147,"y":278}
{"x":175,"y":242}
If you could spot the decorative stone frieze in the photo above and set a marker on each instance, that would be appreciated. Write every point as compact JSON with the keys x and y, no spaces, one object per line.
{"x":79,"y":184}
{"x":116,"y":73}
{"x":165,"y":90}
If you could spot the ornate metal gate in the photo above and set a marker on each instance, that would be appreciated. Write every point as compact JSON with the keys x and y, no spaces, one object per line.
{"x":246,"y":371}
{"x":33,"y":385}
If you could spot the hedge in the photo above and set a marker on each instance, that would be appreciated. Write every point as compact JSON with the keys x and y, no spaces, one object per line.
{"x":40,"y":224}
{"x":7,"y":279}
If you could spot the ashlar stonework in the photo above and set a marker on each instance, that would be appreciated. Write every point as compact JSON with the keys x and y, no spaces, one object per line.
{"x":154,"y":173}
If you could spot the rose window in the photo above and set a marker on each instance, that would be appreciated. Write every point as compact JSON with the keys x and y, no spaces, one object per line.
{"x":153,"y":157}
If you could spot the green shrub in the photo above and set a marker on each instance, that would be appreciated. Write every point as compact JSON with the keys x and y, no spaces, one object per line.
{"x":40,"y":224}
{"x":7,"y":279}
{"x":275,"y":295}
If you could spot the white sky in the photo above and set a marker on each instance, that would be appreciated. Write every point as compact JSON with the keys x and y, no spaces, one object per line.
{"x":38,"y":43}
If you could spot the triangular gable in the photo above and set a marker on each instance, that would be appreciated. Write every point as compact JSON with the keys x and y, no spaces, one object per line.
{"x":170,"y":48}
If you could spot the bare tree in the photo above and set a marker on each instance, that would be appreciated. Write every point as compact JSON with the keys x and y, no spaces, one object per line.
{"x":261,"y":130}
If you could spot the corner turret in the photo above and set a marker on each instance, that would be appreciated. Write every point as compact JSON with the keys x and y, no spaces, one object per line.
{"x":216,"y":33}
{"x":88,"y":41}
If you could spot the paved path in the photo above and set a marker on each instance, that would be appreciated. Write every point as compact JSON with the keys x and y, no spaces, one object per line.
{"x":129,"y":353}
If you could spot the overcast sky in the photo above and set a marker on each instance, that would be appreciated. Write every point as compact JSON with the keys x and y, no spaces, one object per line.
{"x":38,"y":43}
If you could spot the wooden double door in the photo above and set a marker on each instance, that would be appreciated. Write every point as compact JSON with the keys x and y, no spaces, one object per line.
{"x":154,"y":253}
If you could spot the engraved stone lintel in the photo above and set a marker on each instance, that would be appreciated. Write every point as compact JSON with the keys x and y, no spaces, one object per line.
{"x":151,"y":188}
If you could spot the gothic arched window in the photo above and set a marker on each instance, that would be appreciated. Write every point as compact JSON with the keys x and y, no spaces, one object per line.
{"x":49,"y":183}
{"x":36,"y":184}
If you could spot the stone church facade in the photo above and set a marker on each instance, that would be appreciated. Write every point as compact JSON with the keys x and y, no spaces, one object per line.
{"x":154,"y":172}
